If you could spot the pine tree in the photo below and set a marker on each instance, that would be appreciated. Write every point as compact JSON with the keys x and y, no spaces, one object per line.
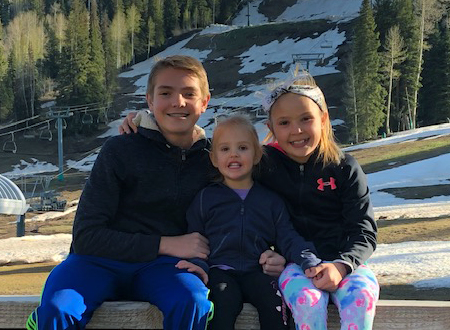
{"x":110,"y":57}
{"x":386,"y":12}
{"x":432,"y":76}
{"x":158,"y":19}
{"x":96,"y":88}
{"x":434,"y":95}
{"x":201,"y":13}
{"x":186,"y":21}
{"x":73,"y":74}
{"x":369,"y":92}
{"x":394,"y":54}
{"x":171,"y":17}
{"x":151,"y":35}
{"x":349,"y":98}
{"x":5,"y":11}
{"x":55,"y":25}
{"x":408,"y":84}
{"x":7,"y":97}
{"x":442,"y":112}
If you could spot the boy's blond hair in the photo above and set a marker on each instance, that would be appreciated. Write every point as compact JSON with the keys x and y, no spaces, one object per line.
{"x":329,"y":151}
{"x":181,"y":62}
{"x":236,"y":121}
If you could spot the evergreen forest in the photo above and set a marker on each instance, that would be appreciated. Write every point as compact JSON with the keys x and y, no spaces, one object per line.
{"x":395,"y":63}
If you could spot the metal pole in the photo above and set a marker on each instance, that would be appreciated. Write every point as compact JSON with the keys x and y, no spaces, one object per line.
{"x":60,"y":148}
{"x":20,"y":225}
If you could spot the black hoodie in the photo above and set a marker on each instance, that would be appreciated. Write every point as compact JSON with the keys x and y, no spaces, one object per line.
{"x":329,"y":206}
{"x":139,"y":190}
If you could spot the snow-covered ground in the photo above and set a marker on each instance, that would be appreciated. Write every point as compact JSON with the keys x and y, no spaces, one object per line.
{"x":420,"y":263}
{"x":424,"y":264}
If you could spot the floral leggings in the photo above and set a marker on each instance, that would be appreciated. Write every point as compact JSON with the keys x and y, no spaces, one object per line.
{"x":355,"y":299}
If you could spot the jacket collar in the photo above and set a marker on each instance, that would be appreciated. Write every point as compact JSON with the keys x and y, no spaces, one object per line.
{"x":314,"y":158}
{"x":148,"y":127}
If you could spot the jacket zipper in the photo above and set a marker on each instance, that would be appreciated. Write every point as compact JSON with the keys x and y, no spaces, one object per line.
{"x":242,"y":236}
{"x":300,"y":192}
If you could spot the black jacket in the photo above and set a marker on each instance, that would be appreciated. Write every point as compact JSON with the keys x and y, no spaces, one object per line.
{"x":139,"y":190}
{"x":240,"y":230}
{"x":329,"y":206}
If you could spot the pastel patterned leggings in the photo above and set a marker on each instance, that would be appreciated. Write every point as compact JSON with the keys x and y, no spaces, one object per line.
{"x":355,"y":299}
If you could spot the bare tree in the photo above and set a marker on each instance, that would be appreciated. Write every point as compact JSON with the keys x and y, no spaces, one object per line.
{"x":394,"y":55}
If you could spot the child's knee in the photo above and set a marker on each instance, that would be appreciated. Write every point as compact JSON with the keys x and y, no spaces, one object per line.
{"x":63,"y":310}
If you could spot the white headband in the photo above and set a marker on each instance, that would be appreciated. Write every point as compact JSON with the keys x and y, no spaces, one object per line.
{"x":312,"y":92}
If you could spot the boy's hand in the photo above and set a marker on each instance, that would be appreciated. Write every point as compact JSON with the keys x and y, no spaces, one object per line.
{"x":327,"y":276}
{"x":272,"y":263}
{"x":127,"y":125}
{"x":186,"y":246}
{"x":193,"y":268}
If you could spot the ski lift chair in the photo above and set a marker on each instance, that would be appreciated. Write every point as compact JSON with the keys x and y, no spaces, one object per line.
{"x":10,"y":145}
{"x":29,"y":133}
{"x":87,"y":118}
{"x":64,"y":124}
{"x":46,"y":134}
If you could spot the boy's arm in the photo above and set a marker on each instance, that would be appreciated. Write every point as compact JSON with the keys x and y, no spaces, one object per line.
{"x":99,"y":202}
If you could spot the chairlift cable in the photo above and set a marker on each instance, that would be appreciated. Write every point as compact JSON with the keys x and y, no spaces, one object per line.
{"x":25,"y":128}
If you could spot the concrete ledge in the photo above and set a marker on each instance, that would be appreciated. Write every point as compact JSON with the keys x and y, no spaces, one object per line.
{"x":391,"y":314}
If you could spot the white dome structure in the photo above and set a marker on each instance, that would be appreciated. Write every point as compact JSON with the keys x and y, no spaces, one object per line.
{"x":12,"y":200}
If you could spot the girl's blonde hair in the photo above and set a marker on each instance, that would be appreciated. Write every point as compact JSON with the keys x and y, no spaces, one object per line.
{"x":303,"y":84}
{"x":242,"y":122}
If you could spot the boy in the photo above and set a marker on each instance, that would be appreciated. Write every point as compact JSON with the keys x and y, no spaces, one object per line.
{"x":130,"y":230}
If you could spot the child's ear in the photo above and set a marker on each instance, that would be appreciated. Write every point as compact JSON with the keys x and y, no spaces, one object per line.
{"x":149,"y":101}
{"x":269,"y":125}
{"x":213,"y":159}
{"x":324,"y":118}
{"x":205,"y":102}
{"x":258,"y":156}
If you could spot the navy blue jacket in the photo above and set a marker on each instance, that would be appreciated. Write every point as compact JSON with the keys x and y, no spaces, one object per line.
{"x":240,"y":230}
{"x":139,"y":190}
{"x":328,"y":205}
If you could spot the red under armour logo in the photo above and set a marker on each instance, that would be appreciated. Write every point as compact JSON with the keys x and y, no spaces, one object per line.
{"x":330,"y":183}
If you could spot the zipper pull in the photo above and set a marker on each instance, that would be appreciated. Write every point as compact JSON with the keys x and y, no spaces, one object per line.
{"x":242,"y":209}
{"x":302,"y":169}
{"x":183,"y":155}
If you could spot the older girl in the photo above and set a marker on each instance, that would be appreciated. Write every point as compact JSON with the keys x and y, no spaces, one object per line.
{"x":328,"y":200}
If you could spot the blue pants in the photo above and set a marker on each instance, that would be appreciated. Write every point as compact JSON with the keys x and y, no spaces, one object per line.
{"x":80,"y":284}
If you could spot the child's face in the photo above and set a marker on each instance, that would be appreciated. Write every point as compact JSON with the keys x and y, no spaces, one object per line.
{"x":177,"y":103}
{"x":234,"y":156}
{"x":296,"y":122}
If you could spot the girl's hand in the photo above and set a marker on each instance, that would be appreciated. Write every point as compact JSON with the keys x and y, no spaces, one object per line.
{"x":313,"y":273}
{"x":327,"y":276}
{"x":272,"y":263}
{"x":127,"y":125}
{"x":193,"y":268}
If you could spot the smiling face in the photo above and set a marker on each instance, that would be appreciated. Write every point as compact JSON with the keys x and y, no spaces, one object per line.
{"x":296,"y":122}
{"x":177,"y":102}
{"x":234,"y":155}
